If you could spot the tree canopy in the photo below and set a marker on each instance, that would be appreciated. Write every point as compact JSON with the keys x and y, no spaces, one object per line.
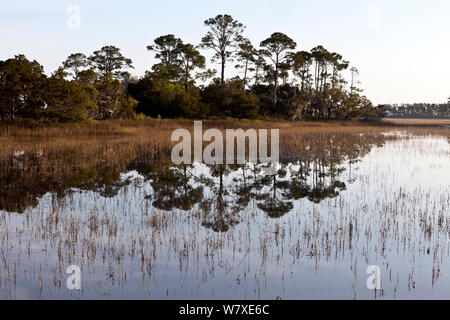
{"x":273,"y":80}
{"x":109,"y":59}
{"x":224,"y":37}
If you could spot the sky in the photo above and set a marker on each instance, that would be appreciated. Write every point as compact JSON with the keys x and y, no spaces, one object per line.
{"x":401,"y":48}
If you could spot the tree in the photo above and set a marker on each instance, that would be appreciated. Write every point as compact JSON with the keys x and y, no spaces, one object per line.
{"x":287,"y":84}
{"x":21,"y":86}
{"x":110,"y":60}
{"x":67,"y":101}
{"x":75,"y":63}
{"x":354,"y":80}
{"x":190,"y":59}
{"x":167,"y":99}
{"x":111,"y":100}
{"x":277,"y":45}
{"x":246,"y":56}
{"x":321,"y":57}
{"x":338,"y":65}
{"x":230,"y":100}
{"x":224,"y":36}
{"x":88,"y":77}
{"x":301,"y":63}
{"x":260,"y":64}
{"x":168,"y":49}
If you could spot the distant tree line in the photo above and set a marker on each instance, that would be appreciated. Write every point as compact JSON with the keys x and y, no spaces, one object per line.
{"x":274,"y":81}
{"x":418,"y":110}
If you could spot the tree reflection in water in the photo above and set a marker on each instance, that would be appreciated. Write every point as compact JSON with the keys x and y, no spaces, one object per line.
{"x":185,"y":231}
{"x":219,"y":192}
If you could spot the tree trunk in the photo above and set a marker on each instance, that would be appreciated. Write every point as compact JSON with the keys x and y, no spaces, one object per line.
{"x":316,"y":77}
{"x":223,"y":70}
{"x":275,"y":94}
{"x":245,"y":74}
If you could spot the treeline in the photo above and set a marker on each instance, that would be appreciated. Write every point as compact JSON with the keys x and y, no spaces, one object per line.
{"x":418,"y":110}
{"x":82,"y":88}
{"x":274,"y":81}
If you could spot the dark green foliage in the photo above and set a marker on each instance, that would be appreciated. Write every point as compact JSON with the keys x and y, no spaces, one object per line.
{"x":230,"y":100}
{"x":265,"y":99}
{"x":66,"y":101}
{"x":247,"y":57}
{"x":27,"y":92}
{"x":75,"y":64}
{"x":166,"y":99}
{"x":22,"y":86}
{"x":278,"y":46}
{"x":109,"y":59}
{"x":168,"y":49}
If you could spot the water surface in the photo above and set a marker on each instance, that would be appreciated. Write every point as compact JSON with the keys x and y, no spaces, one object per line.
{"x":155,"y":231}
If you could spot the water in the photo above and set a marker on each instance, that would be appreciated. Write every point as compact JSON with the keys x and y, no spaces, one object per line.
{"x":202,"y":232}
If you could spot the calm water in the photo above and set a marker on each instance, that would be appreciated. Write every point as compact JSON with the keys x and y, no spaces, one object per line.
{"x":310,"y":232}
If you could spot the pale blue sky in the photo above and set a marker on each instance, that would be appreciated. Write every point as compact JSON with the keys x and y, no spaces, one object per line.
{"x":401,"y":47}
